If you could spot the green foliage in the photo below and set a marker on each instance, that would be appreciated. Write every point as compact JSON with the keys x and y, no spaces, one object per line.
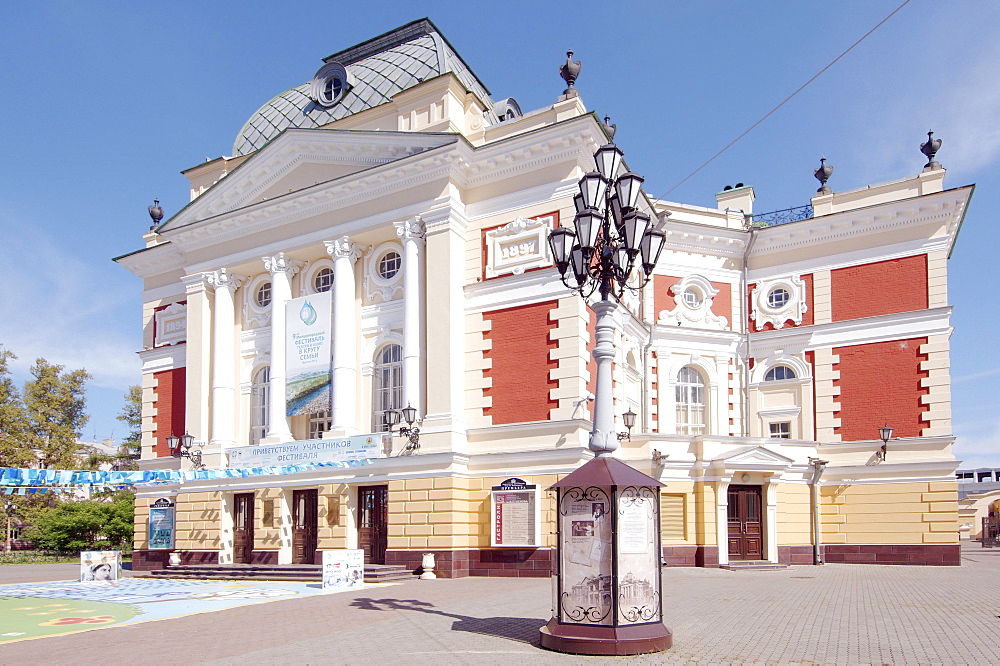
{"x":95,"y":524}
{"x":54,"y":409}
{"x":131,"y":415}
{"x":13,"y":453}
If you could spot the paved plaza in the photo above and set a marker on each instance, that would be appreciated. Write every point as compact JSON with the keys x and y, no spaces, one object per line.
{"x":830,"y":614}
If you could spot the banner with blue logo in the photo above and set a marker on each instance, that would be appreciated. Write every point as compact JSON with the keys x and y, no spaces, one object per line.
{"x":307,"y":354}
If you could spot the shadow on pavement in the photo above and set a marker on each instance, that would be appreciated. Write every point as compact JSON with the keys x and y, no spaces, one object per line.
{"x":520,"y":629}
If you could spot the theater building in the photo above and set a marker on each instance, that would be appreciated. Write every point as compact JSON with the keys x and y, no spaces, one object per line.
{"x":393,"y":200}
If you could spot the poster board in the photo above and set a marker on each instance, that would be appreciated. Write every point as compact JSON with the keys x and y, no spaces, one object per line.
{"x":516,"y":515}
{"x":307,"y":354}
{"x":100,"y":565}
{"x":343,"y":569}
{"x":161,"y":524}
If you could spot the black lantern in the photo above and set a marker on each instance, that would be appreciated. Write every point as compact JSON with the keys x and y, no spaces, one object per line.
{"x":593,"y":188}
{"x":411,"y":432}
{"x":183,"y":447}
{"x":885,"y":434}
{"x":628,"y":418}
{"x":609,"y":158}
{"x":173,"y":441}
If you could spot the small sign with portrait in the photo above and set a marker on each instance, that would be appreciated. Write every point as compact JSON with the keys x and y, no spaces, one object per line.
{"x":100,"y":565}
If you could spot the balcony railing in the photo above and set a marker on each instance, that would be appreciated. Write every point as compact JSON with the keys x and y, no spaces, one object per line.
{"x":784,"y":216}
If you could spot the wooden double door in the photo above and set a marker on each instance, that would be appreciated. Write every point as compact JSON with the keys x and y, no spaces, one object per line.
{"x":746,"y":523}
{"x":305,"y":526}
{"x":373,"y":520}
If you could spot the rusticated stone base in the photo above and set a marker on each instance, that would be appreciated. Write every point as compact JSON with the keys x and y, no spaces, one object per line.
{"x":506,"y":562}
{"x":148,"y":560}
{"x":916,"y":554}
{"x":795,"y":554}
{"x":690,"y":556}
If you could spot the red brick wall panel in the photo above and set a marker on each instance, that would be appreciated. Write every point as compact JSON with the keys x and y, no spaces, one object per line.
{"x":722,"y":302}
{"x":169,"y":406}
{"x":521,"y":363}
{"x":663,"y":298}
{"x":883,"y":287}
{"x":880,"y":384}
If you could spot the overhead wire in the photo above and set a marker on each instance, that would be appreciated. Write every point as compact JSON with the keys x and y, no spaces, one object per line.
{"x":786,"y":100}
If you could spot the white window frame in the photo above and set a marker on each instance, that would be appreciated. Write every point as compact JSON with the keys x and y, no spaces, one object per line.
{"x":386,"y":397}
{"x":687,"y":407}
{"x":260,"y":403}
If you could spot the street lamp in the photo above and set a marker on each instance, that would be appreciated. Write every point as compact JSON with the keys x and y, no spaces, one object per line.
{"x":182,"y":447}
{"x":885,"y":434}
{"x":610,"y":240}
{"x":412,"y":433}
{"x":608,"y":592}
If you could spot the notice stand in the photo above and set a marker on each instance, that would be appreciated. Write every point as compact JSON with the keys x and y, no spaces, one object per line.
{"x":99,"y":565}
{"x":343,"y":569}
{"x":516,"y":515}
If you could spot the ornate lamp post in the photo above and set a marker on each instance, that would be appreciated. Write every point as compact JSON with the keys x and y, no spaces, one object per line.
{"x":608,"y":594}
{"x":610,"y":235}
{"x":181,"y":447}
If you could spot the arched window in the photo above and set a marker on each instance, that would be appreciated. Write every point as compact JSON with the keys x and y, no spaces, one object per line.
{"x":690,"y":394}
{"x":779,"y":372}
{"x":260,"y":403}
{"x":387,"y":385}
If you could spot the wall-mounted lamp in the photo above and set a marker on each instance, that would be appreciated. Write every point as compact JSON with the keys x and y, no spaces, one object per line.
{"x":628,"y":418}
{"x":183,"y":447}
{"x":659,"y":458}
{"x":885,"y":434}
{"x":412,"y":433}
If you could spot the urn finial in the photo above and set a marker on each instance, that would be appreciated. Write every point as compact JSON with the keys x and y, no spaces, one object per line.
{"x":610,"y":129}
{"x":823,"y":174}
{"x":156,"y":213}
{"x":569,"y":72}
{"x":929,"y":148}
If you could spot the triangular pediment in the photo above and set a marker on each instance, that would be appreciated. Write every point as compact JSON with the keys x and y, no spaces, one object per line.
{"x":300,"y":159}
{"x":752,"y":457}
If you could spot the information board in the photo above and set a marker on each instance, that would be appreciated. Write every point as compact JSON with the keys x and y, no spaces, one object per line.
{"x":343,"y":569}
{"x":98,"y":565}
{"x":161,"y":524}
{"x":516,"y":515}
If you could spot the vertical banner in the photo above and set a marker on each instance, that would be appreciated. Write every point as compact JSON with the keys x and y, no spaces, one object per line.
{"x":98,"y":565}
{"x":307,"y":357}
{"x":343,"y":569}
{"x":161,"y":524}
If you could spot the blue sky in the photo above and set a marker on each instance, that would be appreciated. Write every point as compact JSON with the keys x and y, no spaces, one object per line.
{"x":104,"y":104}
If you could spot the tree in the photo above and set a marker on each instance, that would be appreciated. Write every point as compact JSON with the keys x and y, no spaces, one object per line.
{"x":131,"y":415}
{"x":94,"y":524}
{"x":54,"y":407}
{"x":13,"y":453}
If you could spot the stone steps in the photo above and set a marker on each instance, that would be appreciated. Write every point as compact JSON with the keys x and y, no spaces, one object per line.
{"x":753,"y":565}
{"x":374,"y":573}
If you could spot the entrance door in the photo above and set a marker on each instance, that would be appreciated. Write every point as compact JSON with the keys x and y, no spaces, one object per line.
{"x":304,"y":526}
{"x":374,"y":518}
{"x":243,"y":528}
{"x":746,"y":531}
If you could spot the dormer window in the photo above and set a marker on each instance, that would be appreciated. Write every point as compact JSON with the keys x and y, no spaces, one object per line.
{"x":330,"y":84}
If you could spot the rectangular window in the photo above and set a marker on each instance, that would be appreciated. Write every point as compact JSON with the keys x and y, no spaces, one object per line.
{"x":781,"y":430}
{"x":319,"y":423}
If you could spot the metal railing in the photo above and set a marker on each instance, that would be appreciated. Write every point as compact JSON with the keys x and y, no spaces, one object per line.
{"x":784,"y":216}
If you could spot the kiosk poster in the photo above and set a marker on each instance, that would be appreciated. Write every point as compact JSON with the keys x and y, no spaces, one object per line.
{"x":98,"y":565}
{"x":161,"y":524}
{"x":638,"y":556}
{"x":586,"y":560}
{"x":515,"y":514}
{"x":343,"y":569}
{"x":307,"y":356}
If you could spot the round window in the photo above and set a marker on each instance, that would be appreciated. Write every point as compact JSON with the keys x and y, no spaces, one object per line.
{"x":692,"y":297}
{"x":263,"y":295}
{"x":389,"y":265}
{"x":323,"y":280}
{"x":778,"y":297}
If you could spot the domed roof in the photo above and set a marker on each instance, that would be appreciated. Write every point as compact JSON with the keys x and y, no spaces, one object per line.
{"x":375,"y":71}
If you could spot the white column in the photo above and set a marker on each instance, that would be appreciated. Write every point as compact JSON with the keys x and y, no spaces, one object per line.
{"x":224,"y":358}
{"x":603,"y":437}
{"x":282,"y":269}
{"x":414,"y":306}
{"x":345,"y":335}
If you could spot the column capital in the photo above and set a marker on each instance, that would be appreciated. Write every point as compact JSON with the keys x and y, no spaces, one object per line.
{"x":410,"y":229}
{"x":222,"y":278}
{"x":279,"y":263}
{"x":343,"y":248}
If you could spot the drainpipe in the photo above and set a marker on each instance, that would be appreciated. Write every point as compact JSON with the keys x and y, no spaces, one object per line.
{"x":817,"y":536}
{"x":745,"y":403}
